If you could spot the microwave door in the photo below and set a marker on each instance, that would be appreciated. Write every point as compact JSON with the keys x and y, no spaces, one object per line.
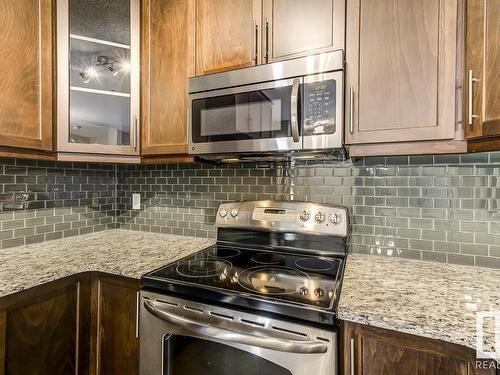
{"x":322,"y":114}
{"x":255,"y":118}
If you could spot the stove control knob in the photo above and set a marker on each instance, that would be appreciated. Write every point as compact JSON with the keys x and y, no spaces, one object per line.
{"x":335,"y":219}
{"x":223,"y":212}
{"x":234,"y":212}
{"x":304,"y":291}
{"x":319,"y":217}
{"x":318,"y":293}
{"x":304,"y":215}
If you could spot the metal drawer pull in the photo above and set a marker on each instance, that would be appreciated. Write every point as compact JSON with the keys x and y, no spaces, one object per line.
{"x":353,"y":363}
{"x":208,"y":329}
{"x":472,"y":80}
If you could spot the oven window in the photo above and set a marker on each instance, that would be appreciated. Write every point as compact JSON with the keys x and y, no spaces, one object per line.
{"x":191,"y":356}
{"x":257,"y":114}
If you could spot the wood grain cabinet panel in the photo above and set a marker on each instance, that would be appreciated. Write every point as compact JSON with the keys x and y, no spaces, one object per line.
{"x":375,"y":351}
{"x":483,"y":74}
{"x":44,"y":330}
{"x":401,"y":70}
{"x":293,"y":28}
{"x":168,"y":61}
{"x":26,"y":49}
{"x":227,"y":34}
{"x":115,"y":347}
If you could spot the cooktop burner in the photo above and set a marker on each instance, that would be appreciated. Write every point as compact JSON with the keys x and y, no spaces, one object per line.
{"x":268,"y":258}
{"x":202,"y":267}
{"x":223,"y":252}
{"x":272,"y":280}
{"x":291,"y":278}
{"x":314,"y":264}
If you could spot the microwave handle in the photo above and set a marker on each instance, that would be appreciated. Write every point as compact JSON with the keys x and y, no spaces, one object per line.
{"x":294,"y":109}
{"x":208,"y":329}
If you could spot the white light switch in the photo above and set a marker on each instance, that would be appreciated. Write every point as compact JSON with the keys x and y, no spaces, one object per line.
{"x":136,"y":201}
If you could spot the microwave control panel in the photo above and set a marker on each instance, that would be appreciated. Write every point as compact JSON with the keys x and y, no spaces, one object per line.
{"x":319,"y":107}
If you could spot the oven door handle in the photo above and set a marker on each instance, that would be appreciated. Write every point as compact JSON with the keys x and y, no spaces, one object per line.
{"x":240,"y":337}
{"x":294,"y":109}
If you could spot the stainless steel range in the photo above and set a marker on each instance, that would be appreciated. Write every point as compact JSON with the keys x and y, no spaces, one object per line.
{"x":262,"y":300}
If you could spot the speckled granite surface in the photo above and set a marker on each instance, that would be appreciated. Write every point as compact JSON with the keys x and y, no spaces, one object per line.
{"x":120,"y":252}
{"x":422,"y":298}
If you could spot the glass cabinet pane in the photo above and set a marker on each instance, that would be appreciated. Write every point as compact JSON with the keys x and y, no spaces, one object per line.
{"x":108,"y":123}
{"x":99,"y":72}
{"x":98,"y":66}
{"x":107,"y":20}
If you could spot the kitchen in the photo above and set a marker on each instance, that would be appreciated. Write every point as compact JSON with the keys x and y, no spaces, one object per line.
{"x":253,"y":186}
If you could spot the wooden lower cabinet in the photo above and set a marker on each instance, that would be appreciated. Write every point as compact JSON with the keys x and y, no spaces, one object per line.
{"x":374,"y":351}
{"x":45,"y":330}
{"x":81,"y":324}
{"x":114,"y":348}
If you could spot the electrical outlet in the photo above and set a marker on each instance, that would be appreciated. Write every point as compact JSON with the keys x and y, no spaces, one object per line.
{"x":136,"y":201}
{"x":21,"y":196}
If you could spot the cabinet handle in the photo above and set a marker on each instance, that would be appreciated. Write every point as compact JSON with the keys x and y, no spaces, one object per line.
{"x":472,"y":80}
{"x":137,"y":300}
{"x":353,"y":363}
{"x":351,"y":109}
{"x":294,"y":110}
{"x":136,"y":132}
{"x":267,"y":40}
{"x":255,"y":44}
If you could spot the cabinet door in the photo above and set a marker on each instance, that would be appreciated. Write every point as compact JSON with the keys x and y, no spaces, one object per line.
{"x":114,"y":347}
{"x":26,"y":74}
{"x":45,"y":330}
{"x":227,"y":34}
{"x":483,"y":68}
{"x":293,"y":28}
{"x":374,"y":351}
{"x":400,"y":72}
{"x":168,"y":61}
{"x":98,"y":76}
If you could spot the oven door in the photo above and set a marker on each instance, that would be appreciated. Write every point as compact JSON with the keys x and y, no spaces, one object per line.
{"x":262,"y":117}
{"x":179,"y":337}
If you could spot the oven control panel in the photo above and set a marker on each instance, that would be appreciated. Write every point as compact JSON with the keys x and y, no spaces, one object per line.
{"x":292,"y":216}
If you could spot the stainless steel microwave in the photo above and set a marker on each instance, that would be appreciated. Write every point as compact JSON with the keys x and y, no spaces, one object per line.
{"x":287,"y":106}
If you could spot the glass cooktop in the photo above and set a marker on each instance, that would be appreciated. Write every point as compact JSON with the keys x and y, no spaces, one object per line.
{"x":278,"y":276}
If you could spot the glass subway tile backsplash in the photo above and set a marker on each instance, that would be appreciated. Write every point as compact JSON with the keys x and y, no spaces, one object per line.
{"x":65,"y":199}
{"x":443,"y":208}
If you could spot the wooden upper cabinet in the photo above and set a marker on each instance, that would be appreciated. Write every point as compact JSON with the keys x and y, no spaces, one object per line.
{"x":401,"y":70}
{"x":26,"y":76}
{"x":483,"y":69}
{"x":168,"y":61}
{"x":227,"y":34}
{"x":293,"y":28}
{"x":375,"y":351}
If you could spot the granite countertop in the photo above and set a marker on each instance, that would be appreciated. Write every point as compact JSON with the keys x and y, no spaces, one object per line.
{"x":421,"y":298}
{"x":427,"y":299}
{"x":120,"y":252}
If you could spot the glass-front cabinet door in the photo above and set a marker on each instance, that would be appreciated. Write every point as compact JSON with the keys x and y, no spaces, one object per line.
{"x":98,"y":76}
